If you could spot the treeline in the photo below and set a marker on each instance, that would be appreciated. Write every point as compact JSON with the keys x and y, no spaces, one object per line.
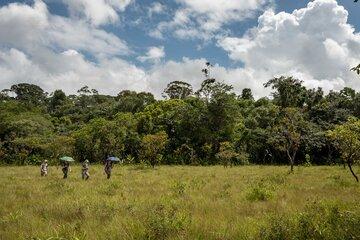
{"x":209,"y":126}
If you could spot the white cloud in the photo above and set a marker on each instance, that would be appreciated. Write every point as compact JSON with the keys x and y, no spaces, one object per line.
{"x":314,"y":43}
{"x":154,"y":54}
{"x":22,"y":25}
{"x":156,"y":8}
{"x":189,"y":70}
{"x":30,"y":27}
{"x":73,"y":71}
{"x":198,"y":19}
{"x":48,"y":50}
{"x":97,"y":12}
{"x":65,"y":33}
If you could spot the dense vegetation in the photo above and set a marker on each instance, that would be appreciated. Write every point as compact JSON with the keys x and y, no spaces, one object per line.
{"x":209,"y":126}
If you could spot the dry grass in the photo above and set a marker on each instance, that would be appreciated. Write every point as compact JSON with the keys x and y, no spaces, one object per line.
{"x":165,"y":202}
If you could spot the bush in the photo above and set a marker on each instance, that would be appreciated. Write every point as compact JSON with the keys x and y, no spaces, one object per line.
{"x":227,"y":155}
{"x":318,"y":221}
{"x":307,"y":161}
{"x":163,"y":221}
{"x":152,"y":147}
{"x":259,"y":192}
{"x":178,"y":188}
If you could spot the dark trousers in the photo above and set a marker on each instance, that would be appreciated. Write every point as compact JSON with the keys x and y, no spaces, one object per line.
{"x":65,"y":171}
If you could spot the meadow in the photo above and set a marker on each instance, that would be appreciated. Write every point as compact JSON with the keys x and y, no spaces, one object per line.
{"x":180,"y":202}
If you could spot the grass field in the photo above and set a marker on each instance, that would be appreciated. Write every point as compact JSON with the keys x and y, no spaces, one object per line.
{"x":251,"y":202}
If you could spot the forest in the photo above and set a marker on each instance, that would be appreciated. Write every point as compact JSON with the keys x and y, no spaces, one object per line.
{"x":207,"y":126}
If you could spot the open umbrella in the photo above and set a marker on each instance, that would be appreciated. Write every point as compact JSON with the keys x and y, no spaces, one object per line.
{"x":113,"y":159}
{"x":67,"y":159}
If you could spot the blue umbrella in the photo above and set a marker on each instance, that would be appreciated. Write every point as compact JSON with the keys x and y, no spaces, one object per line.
{"x":113,"y":159}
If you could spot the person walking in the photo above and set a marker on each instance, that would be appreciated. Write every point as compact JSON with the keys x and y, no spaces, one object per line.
{"x":44,"y":168}
{"x":108,"y":168}
{"x":85,"y":170}
{"x":65,"y":169}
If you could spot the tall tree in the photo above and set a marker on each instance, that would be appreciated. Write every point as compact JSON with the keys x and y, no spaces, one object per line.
{"x":347,"y":139}
{"x":246,"y":94}
{"x":131,"y":101}
{"x":287,"y":134}
{"x":289,"y":91}
{"x":29,"y":93}
{"x":178,"y":90}
{"x":57,"y":99}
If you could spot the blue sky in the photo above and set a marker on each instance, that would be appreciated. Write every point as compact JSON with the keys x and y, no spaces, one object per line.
{"x":142,"y":45}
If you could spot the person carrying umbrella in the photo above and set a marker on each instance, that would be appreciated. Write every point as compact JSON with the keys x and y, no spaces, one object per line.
{"x":85,"y":170}
{"x":109,"y":165}
{"x":66,"y":165}
{"x":44,"y":168}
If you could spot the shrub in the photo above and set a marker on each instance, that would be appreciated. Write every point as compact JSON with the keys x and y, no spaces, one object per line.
{"x":163,"y":221}
{"x":307,"y":161}
{"x":259,"y":192}
{"x":152,"y":147}
{"x":317,"y":221}
{"x":277,"y":179}
{"x":178,"y":188}
{"x":227,"y":155}
{"x":185,"y":155}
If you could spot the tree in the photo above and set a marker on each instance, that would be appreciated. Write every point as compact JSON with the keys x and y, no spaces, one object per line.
{"x":256,"y":131}
{"x":131,"y":101}
{"x":5,"y":94}
{"x":57,"y":99}
{"x":247,"y":94}
{"x":357,"y":68}
{"x":178,"y":90}
{"x":29,"y":93}
{"x":347,"y":139}
{"x":207,"y":69}
{"x":152,"y":147}
{"x":287,"y":134}
{"x":289,"y":91}
{"x":99,"y":139}
{"x":314,"y":97}
{"x":222,"y":113}
{"x":209,"y":86}
{"x":84,"y":90}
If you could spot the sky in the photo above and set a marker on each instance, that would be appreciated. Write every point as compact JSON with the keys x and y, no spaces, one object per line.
{"x":142,"y":45}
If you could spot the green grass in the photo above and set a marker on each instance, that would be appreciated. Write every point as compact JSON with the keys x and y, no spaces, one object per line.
{"x":250,"y":202}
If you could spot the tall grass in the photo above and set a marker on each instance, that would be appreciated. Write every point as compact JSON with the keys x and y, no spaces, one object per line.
{"x":249,"y":202}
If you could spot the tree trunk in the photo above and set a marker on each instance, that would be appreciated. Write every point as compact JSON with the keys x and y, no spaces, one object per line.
{"x":291,"y":159}
{"x":351,"y":170}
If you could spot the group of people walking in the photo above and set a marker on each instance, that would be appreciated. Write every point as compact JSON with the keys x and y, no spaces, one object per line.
{"x":85,"y":175}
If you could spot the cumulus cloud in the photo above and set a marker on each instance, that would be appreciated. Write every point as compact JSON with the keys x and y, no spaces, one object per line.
{"x":108,"y":75}
{"x":154,"y":54}
{"x":97,"y":12}
{"x":22,"y":25}
{"x":49,"y":50}
{"x":30,"y":27}
{"x":314,"y":43}
{"x":197,"y":19}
